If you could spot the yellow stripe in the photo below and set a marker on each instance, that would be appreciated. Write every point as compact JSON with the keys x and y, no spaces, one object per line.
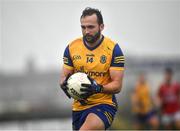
{"x":107,"y":116}
{"x":119,"y":62}
{"x":119,"y":57}
{"x":117,"y":68}
{"x":105,"y":113}
{"x":68,"y":67}
{"x":110,"y":116}
{"x":114,"y":104}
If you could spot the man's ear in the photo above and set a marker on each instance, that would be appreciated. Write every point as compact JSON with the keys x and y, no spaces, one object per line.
{"x":101,"y":27}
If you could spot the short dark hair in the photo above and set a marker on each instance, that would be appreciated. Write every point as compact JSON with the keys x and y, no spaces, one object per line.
{"x":88,"y":11}
{"x":168,"y":70}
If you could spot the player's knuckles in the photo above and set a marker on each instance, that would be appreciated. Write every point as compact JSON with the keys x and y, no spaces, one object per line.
{"x":82,"y":89}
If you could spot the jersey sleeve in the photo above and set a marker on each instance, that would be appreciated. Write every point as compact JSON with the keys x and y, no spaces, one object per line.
{"x":67,"y":59}
{"x":117,"y":62}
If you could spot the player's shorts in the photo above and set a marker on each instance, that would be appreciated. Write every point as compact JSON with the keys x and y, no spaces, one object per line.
{"x":105,"y":112}
{"x":168,"y":118}
{"x":143,"y":118}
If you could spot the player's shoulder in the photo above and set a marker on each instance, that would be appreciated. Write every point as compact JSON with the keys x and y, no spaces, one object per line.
{"x":176,"y":83}
{"x":163,"y":87}
{"x":111,"y":43}
{"x":75,"y":42}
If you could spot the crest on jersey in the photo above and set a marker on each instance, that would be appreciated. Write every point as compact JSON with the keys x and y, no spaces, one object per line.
{"x":103,"y":59}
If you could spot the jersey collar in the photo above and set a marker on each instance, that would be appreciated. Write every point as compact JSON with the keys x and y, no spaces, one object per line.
{"x":92,"y":48}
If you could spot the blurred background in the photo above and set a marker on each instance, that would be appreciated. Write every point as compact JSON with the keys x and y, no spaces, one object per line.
{"x":34,"y":34}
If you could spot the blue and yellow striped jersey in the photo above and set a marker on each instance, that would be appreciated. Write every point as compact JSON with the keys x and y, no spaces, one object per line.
{"x":96,"y":62}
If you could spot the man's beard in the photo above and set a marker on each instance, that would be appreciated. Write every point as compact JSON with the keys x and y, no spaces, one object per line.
{"x":92,"y":38}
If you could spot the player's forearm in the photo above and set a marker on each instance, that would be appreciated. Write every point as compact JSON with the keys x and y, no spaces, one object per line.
{"x":115,"y":85}
{"x":62,"y":78}
{"x":64,"y":74}
{"x":112,"y":87}
{"x":158,"y":101}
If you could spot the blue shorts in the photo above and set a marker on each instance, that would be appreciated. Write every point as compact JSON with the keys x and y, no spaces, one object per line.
{"x":143,"y":118}
{"x":105,"y":112}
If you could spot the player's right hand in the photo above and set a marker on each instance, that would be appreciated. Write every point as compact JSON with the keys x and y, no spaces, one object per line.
{"x":64,"y":86}
{"x":90,"y":89}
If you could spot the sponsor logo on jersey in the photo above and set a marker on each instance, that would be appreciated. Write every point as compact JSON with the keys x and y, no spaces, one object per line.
{"x":103,"y":59}
{"x":76,"y":57}
{"x":95,"y":73}
{"x":92,"y":73}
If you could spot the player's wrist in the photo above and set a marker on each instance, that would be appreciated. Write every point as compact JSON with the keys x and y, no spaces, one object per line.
{"x":99,"y":88}
{"x":96,"y":88}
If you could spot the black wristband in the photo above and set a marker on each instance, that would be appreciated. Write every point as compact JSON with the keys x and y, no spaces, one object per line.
{"x":101,"y":88}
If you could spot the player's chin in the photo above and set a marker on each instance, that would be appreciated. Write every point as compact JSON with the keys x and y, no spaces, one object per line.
{"x":89,"y":38}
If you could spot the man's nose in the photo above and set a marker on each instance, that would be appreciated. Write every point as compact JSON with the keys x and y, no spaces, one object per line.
{"x":86,"y":31}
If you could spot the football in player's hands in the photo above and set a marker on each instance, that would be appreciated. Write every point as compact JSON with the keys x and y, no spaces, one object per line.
{"x":74,"y":85}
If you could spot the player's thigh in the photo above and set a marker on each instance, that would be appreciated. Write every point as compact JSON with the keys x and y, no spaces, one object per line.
{"x":93,"y":122}
{"x":153,"y":118}
{"x":154,"y":121}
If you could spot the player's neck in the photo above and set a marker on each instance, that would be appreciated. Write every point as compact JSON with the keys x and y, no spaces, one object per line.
{"x":95,"y":43}
{"x":168,"y":82}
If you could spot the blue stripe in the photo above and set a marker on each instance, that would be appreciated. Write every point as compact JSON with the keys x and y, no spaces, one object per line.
{"x":67,"y":55}
{"x":116,"y":53}
{"x":114,"y":100}
{"x":80,"y":116}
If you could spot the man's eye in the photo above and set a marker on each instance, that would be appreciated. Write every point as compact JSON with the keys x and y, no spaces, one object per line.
{"x":83,"y":27}
{"x":89,"y":27}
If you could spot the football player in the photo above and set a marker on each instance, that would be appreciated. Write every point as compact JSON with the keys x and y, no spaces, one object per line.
{"x":169,"y":96}
{"x":142,"y":105}
{"x":103,"y":61}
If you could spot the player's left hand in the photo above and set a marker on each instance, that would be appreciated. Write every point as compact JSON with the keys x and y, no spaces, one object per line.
{"x":92,"y":88}
{"x":64,"y":86}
